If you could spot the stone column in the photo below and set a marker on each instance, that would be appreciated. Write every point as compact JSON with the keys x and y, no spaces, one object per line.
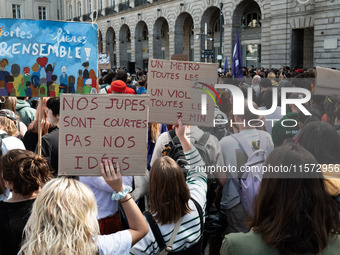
{"x":83,"y":7}
{"x":171,"y":42}
{"x":151,"y":42}
{"x":105,"y":47}
{"x":117,"y":4}
{"x":133,"y":46}
{"x":66,"y":13}
{"x":227,"y":43}
{"x":74,"y":8}
{"x":197,"y":44}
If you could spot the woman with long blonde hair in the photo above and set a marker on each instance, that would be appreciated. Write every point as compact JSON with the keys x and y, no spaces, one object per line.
{"x":9,"y":131}
{"x":7,"y":102}
{"x":64,"y":219}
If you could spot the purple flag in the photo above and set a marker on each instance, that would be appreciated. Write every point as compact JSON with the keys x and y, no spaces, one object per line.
{"x":225,"y":67}
{"x":236,"y":68}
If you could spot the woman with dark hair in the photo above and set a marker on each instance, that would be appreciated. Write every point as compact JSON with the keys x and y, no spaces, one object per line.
{"x":23,"y":173}
{"x":176,"y":203}
{"x":321,"y":139}
{"x":293,"y":213}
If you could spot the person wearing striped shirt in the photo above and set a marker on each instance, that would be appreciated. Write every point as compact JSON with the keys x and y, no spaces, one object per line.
{"x":170,"y":199}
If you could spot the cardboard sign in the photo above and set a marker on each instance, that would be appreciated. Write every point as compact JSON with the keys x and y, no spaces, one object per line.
{"x":181,"y":89}
{"x":104,"y":61}
{"x":98,"y":127}
{"x":46,"y":58}
{"x":327,"y":82}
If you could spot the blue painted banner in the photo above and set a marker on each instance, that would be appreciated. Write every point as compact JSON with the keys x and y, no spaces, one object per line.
{"x":46,"y":58}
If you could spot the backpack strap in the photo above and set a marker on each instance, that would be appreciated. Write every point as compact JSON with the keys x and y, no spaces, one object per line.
{"x":158,"y":235}
{"x":247,"y":147}
{"x":204,"y":139}
{"x":155,"y":230}
{"x":18,"y":126}
{"x":244,"y":144}
{"x":172,"y":134}
{"x":2,"y":136}
{"x":262,"y":140}
{"x":201,"y":146}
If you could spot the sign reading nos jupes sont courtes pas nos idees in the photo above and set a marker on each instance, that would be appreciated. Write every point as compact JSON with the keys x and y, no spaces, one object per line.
{"x":104,"y":127}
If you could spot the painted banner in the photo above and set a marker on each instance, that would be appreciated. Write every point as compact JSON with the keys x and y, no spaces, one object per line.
{"x":93,"y":128}
{"x":47,"y":58}
{"x":182,"y":89}
{"x":327,"y":82}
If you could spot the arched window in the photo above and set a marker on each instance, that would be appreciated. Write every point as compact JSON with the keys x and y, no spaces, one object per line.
{"x":128,"y":36}
{"x":79,"y":8}
{"x":251,"y":20}
{"x":70,"y":12}
{"x":90,"y":7}
{"x":145,"y":34}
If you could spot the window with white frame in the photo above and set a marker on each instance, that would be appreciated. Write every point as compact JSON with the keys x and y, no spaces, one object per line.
{"x":42,"y":13}
{"x":79,"y":8}
{"x":100,"y":4}
{"x":90,"y":7}
{"x":16,"y":10}
{"x":70,"y":12}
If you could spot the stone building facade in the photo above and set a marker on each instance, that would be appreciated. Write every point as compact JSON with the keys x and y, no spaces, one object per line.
{"x":31,"y":9}
{"x":298,"y":33}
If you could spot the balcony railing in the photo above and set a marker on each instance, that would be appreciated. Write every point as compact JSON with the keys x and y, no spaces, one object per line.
{"x":140,"y":2}
{"x":86,"y":17}
{"x":109,"y":10}
{"x":123,"y":6}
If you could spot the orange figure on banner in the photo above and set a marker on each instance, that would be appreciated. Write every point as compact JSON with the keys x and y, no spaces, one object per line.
{"x":80,"y":82}
{"x":93,"y":78}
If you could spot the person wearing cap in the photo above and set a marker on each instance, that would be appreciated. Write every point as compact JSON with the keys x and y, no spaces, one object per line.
{"x":122,"y":75}
{"x":117,"y":87}
{"x":9,"y":131}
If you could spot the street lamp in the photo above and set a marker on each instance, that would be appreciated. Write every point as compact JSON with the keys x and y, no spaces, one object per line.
{"x":220,"y":51}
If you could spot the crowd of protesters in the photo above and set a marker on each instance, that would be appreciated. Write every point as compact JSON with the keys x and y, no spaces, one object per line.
{"x":187,"y":210}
